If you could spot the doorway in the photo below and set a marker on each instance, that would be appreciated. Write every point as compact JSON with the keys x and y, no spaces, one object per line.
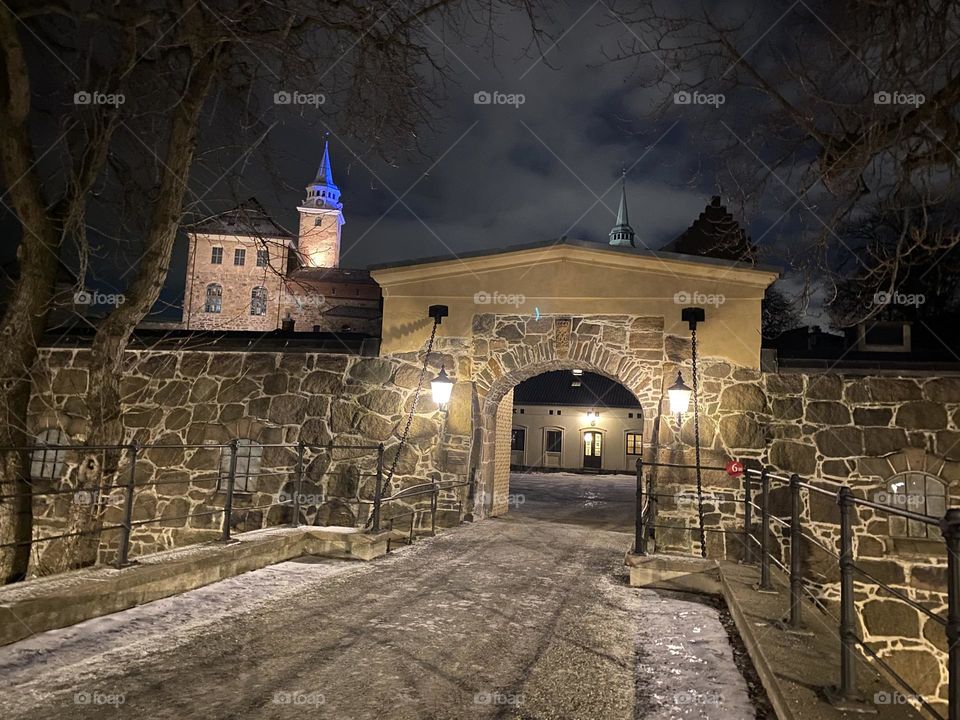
{"x":592,"y":450}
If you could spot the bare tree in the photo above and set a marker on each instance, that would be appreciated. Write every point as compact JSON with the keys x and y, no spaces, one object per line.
{"x":824,"y":107}
{"x":145,"y":97}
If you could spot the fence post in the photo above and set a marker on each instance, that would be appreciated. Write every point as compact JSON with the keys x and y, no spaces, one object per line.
{"x":378,"y":489}
{"x":231,"y":481}
{"x":796,"y":586}
{"x":848,"y":617}
{"x":639,"y":536}
{"x":765,"y":583}
{"x":433,"y":508}
{"x":747,"y":517}
{"x":950,"y":527}
{"x":124,"y":554}
{"x":298,"y":491}
{"x":650,"y":522}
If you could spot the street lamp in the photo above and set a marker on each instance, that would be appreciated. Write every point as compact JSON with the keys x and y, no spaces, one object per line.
{"x":679,"y":395}
{"x":441,"y":387}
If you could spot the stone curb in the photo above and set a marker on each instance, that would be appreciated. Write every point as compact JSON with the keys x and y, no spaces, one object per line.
{"x":35,"y":606}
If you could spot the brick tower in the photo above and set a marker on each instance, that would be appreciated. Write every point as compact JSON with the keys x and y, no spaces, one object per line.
{"x":321,"y":216}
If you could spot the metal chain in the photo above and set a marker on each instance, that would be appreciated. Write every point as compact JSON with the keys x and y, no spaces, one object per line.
{"x":696,"y":438}
{"x":413,"y":408}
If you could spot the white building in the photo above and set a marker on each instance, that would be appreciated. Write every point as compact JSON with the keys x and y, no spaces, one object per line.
{"x":575,"y":421}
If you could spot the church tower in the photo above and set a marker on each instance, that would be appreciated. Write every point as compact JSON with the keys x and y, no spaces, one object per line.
{"x":622,"y":234}
{"x":321,"y":216}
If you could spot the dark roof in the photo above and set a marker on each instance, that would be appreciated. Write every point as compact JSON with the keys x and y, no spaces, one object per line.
{"x":353,"y":311}
{"x":715,"y":233}
{"x":814,"y":347}
{"x":575,"y":242}
{"x":556,"y":388}
{"x":247,"y":218}
{"x":340,"y":275}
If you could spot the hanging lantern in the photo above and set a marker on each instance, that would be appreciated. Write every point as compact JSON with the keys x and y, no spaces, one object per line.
{"x":679,"y":395}
{"x":441,"y":387}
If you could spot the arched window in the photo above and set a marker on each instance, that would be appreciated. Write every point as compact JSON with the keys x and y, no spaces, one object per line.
{"x":249,"y":453}
{"x":48,"y":463}
{"x":214,"y":296}
{"x":258,"y":301}
{"x":319,"y":221}
{"x":917,"y":492}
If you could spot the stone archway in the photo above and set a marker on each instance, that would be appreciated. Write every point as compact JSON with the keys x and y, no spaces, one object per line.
{"x":509,"y":349}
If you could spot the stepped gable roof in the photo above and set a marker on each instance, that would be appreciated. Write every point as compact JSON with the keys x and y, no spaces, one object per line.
{"x":716,"y":234}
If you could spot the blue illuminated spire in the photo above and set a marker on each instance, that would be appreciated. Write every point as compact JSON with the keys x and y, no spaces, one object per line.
{"x":323,"y":191}
{"x":622,"y":234}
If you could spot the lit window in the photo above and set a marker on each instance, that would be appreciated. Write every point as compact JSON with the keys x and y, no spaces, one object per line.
{"x":239,"y":256}
{"x":248,"y":466}
{"x":214,"y":296}
{"x":916,"y":492}
{"x":47,"y":463}
{"x":216,"y":256}
{"x":263,"y":258}
{"x":634,"y":444}
{"x":258,"y":301}
{"x":554,"y":441}
{"x":518,"y":439}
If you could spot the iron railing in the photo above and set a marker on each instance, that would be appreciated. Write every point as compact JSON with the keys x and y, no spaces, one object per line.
{"x":123,"y":485}
{"x":793,"y":529}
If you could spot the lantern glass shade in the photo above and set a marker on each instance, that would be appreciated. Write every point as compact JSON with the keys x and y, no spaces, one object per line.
{"x":441,"y":387}
{"x":679,"y":395}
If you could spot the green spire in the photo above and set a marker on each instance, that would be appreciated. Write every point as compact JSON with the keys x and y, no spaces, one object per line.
{"x":622,"y":234}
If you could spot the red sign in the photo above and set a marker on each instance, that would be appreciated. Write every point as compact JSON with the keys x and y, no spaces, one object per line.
{"x":734,"y":468}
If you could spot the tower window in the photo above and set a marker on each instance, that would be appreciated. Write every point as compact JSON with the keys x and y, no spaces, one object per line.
{"x":263,"y":258}
{"x":214,"y":295}
{"x":318,"y":222}
{"x":216,"y":256}
{"x":239,"y":256}
{"x":258,"y":301}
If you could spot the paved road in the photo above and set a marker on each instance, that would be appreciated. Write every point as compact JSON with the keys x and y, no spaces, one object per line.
{"x":518,"y":617}
{"x":604,"y":502}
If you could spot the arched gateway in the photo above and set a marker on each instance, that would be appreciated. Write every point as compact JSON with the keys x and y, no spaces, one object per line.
{"x":566,"y":304}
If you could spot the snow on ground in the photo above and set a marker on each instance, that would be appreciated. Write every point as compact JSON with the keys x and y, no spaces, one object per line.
{"x":95,"y":645}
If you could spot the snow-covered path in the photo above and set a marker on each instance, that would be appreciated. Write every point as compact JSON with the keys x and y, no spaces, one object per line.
{"x":518,"y":617}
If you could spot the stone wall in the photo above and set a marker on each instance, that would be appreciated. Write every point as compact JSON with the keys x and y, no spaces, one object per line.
{"x":341,"y":406}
